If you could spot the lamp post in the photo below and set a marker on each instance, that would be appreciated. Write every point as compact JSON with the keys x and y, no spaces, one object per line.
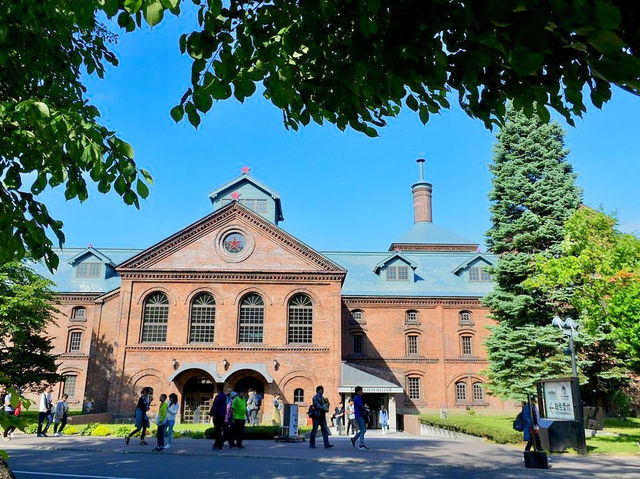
{"x":568,"y":327}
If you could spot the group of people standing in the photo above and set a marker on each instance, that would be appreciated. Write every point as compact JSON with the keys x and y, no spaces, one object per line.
{"x":165,"y":419}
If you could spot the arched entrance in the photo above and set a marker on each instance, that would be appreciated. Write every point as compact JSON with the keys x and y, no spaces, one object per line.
{"x":197,"y":389}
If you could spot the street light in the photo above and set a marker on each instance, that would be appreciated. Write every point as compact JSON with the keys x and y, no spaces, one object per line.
{"x":568,"y":328}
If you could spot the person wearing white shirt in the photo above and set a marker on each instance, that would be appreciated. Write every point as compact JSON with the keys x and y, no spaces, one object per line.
{"x":172,"y":411}
{"x":44,"y":411}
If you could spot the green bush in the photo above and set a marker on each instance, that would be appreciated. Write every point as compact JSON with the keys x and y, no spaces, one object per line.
{"x":197,"y":435}
{"x":101,"y":430}
{"x":71,"y":430}
{"x":497,"y":429}
{"x":31,"y":428}
{"x":88,"y":429}
{"x":622,"y":403}
{"x":122,"y":430}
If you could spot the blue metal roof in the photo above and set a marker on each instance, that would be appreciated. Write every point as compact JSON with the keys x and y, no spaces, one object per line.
{"x":65,"y":277}
{"x":425,"y":232}
{"x":433,"y":276}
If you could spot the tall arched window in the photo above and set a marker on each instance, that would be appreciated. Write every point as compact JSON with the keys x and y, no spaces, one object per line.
{"x":300,"y":319}
{"x":478,"y":392}
{"x":251,"y":325}
{"x":154,"y":320}
{"x":298,"y":395}
{"x":203,"y":319}
{"x":461,"y":391}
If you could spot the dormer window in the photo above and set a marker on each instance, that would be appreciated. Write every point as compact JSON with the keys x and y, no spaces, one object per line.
{"x":254,"y":204}
{"x":478,"y":273}
{"x":89,"y":270}
{"x":397,"y":273}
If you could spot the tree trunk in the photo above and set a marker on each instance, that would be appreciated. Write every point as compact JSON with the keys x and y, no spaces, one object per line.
{"x":5,"y":472}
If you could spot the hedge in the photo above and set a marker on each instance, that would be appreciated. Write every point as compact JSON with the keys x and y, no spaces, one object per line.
{"x":496,"y":429}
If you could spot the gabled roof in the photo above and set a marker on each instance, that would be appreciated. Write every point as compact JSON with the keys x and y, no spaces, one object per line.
{"x":91,"y":251}
{"x":424,"y":232}
{"x":391,"y":257}
{"x":470,"y":261}
{"x":245,"y":177}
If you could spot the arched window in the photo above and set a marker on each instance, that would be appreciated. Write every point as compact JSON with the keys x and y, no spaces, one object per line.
{"x":78,"y":314}
{"x":75,"y":339}
{"x":412,"y":344}
{"x":466,"y":345}
{"x":465,"y":317}
{"x":203,"y":319}
{"x":411,"y":316}
{"x":300,"y":319}
{"x":154,"y":320}
{"x":461,"y":391}
{"x":478,"y":392}
{"x":251,"y":325}
{"x":298,"y":395}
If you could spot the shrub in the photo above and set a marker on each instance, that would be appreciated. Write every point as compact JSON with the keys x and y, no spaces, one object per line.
{"x":197,"y":435}
{"x":481,"y":426}
{"x":71,"y":430}
{"x":88,"y":429}
{"x":31,"y":429}
{"x":255,"y":432}
{"x":101,"y":430}
{"x":622,"y":403}
{"x":122,"y":430}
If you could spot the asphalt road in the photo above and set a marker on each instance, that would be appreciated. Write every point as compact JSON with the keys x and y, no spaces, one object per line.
{"x":391,"y":456}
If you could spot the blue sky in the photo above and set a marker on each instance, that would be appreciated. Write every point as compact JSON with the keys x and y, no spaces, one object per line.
{"x":339,"y":190}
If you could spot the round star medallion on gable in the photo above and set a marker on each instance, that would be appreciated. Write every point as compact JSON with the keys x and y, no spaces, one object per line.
{"x":234,"y":244}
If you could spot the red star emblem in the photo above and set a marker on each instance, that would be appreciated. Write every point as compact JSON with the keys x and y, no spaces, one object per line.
{"x":235,"y":195}
{"x":234,"y":245}
{"x":245,"y":170}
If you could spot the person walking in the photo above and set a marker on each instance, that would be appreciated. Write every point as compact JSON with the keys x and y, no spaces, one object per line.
{"x":161,"y":421}
{"x":319,"y":410}
{"x":383,"y":419}
{"x":530,"y":416}
{"x":172,"y":411}
{"x":360,"y":416}
{"x":61,"y":415}
{"x":338,"y":415}
{"x":351,"y":417}
{"x":142,"y":421}
{"x":239,"y":414}
{"x":218,"y":413}
{"x":8,"y":409}
{"x":277,"y":410}
{"x":44,"y":411}
{"x":228,"y":420}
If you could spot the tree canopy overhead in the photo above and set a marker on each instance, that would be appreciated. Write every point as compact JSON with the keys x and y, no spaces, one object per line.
{"x":357,"y":62}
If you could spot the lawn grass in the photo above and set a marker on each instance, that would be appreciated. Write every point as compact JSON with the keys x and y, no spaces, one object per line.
{"x":618,"y":437}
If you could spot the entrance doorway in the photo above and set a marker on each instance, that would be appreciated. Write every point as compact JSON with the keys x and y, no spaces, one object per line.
{"x":197,"y":393}
{"x":247,"y":383}
{"x":374,"y":402}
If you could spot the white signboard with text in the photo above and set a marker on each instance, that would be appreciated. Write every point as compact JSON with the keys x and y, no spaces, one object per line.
{"x":292,"y":420}
{"x":558,"y":400}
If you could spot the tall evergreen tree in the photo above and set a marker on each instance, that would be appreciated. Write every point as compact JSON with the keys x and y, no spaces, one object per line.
{"x":533,"y":194}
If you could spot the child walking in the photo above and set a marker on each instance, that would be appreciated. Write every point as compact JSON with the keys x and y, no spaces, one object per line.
{"x":162,"y":422}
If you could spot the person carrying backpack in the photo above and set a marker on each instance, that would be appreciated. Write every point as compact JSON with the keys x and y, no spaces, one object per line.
{"x":318,"y":410}
{"x":530,"y":419}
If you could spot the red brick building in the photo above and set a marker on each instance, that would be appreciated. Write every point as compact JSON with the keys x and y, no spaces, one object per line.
{"x":235,"y":299}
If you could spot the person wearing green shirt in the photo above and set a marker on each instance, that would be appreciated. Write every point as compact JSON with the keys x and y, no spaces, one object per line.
{"x":239,"y":415}
{"x":162,"y":422}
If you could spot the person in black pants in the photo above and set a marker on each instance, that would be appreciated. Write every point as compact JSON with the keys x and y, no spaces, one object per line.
{"x":44,"y":411}
{"x":218,"y":412}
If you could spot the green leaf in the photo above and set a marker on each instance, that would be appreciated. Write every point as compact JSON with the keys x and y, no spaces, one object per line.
{"x":153,"y":13}
{"x":605,"y":41}
{"x":192,"y":114}
{"x":146,"y":175}
{"x":424,"y":114}
{"x":412,"y":102}
{"x":524,"y":61}
{"x":177,"y":113}
{"x":142,"y":189}
{"x":220,"y":90}
{"x":202,"y":99}
{"x":125,"y":148}
{"x":132,"y":6}
{"x":120,"y":185}
{"x":42,"y":108}
{"x":606,"y":15}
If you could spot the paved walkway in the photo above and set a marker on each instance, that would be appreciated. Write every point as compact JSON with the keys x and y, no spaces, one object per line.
{"x":390,"y":455}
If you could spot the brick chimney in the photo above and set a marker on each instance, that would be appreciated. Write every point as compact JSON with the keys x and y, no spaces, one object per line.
{"x":421,"y":197}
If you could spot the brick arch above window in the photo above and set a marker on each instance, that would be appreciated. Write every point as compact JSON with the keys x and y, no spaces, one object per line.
{"x":252,"y":289}
{"x":217,"y":296}
{"x":168,"y":293}
{"x":314,"y":297}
